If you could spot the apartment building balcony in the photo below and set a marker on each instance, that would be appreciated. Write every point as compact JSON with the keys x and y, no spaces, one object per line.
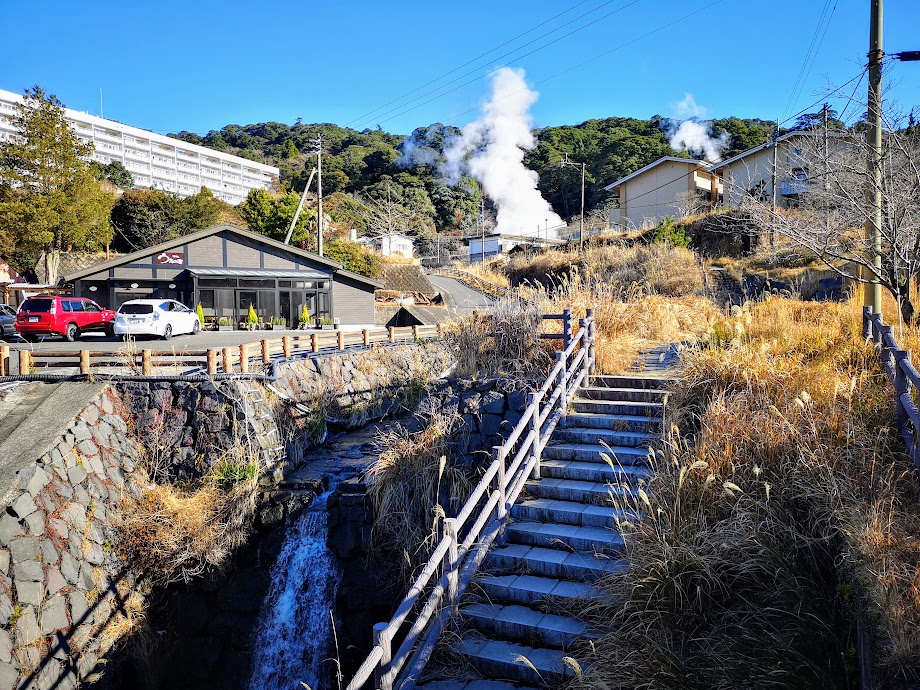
{"x":106,"y":135}
{"x":138,"y":155}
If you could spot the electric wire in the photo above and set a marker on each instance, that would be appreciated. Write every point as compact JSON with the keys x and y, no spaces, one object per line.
{"x":799,"y":77}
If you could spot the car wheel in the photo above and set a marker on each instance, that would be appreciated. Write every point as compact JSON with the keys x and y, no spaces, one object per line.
{"x":71,"y":333}
{"x":196,"y":327}
{"x":167,"y":332}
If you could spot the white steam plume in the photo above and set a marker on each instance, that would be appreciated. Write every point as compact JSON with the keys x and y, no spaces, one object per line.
{"x":492,"y":148}
{"x":693,"y":134}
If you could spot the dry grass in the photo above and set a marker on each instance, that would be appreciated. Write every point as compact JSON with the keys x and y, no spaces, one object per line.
{"x":793,"y":508}
{"x":414,"y":484}
{"x":490,"y":271}
{"x":501,"y":341}
{"x":628,"y":324}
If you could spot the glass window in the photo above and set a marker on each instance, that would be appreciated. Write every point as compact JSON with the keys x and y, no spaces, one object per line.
{"x":135,"y":309}
{"x":65,"y":305}
{"x":284,"y":283}
{"x":257,"y":283}
{"x":90,"y":306}
{"x":166,"y":306}
{"x":37,"y":305}
{"x":75,"y":305}
{"x":217,"y":282}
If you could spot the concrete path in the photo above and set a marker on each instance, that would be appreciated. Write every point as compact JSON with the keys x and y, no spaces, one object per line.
{"x":458,"y":294}
{"x":32,"y":419}
{"x":519,"y":625}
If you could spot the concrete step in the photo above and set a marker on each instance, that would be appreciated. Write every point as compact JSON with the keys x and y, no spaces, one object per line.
{"x":620,"y":422}
{"x":503,"y":659}
{"x":568,"y":513}
{"x":582,"y":405}
{"x":593,"y":471}
{"x":612,"y":437}
{"x":591,"y":452}
{"x":632,"y":381}
{"x":534,"y":591}
{"x":560,"y":564}
{"x":521,"y":624}
{"x":470,"y":684}
{"x":621,"y":394}
{"x":595,"y":493}
{"x":556,"y":535}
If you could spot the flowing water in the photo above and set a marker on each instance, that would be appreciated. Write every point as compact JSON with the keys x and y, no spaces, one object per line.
{"x":294,"y":643}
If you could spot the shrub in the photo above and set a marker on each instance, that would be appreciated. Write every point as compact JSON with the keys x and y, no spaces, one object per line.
{"x":355,"y":257}
{"x":671,"y":234}
{"x":199,"y":312}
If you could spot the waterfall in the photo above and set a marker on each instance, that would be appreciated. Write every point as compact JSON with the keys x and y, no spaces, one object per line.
{"x":295,"y":632}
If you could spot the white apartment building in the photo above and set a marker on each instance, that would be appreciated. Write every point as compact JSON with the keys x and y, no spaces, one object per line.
{"x":156,"y":161}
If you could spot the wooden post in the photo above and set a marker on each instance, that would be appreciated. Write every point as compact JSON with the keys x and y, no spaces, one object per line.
{"x":146,"y":363}
{"x":366,"y":337}
{"x":286,"y":346}
{"x":591,"y":335}
{"x":314,"y":342}
{"x":228,"y":360}
{"x":498,"y":455}
{"x":84,"y":362}
{"x":451,"y":566}
{"x":382,"y":677}
{"x":440,"y":330}
{"x":341,"y":340}
{"x":392,"y":332}
{"x":901,"y":386}
{"x":4,"y":360}
{"x":244,"y":358}
{"x":566,"y":328}
{"x":266,"y":353}
{"x":867,"y":323}
{"x":534,"y":408}
{"x":25,"y":362}
{"x":562,"y":376}
{"x":582,"y":379}
{"x":212,"y":361}
{"x":415,"y":331}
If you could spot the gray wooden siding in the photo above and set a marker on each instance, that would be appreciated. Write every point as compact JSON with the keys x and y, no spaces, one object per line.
{"x":208,"y":251}
{"x":241,"y":255}
{"x":352,"y":302}
{"x":137,"y":273}
{"x":277,"y":259}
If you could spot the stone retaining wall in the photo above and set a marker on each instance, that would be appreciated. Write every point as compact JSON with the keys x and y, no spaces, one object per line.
{"x":65,"y":598}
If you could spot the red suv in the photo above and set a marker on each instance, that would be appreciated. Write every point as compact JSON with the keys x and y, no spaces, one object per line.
{"x":66,"y":316}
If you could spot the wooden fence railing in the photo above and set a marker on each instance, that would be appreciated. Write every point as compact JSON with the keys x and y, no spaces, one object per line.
{"x":904,"y":376}
{"x":227,"y":360}
{"x":403,"y":645}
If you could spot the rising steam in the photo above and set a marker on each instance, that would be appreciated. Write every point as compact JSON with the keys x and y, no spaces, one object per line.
{"x":693,"y":134}
{"x":492,"y":149}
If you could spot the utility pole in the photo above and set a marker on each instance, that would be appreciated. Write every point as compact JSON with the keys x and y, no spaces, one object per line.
{"x":773,"y":190}
{"x":319,"y":195}
{"x":872,"y":295}
{"x":581,"y":223}
{"x":827,"y":175}
{"x":482,"y":228}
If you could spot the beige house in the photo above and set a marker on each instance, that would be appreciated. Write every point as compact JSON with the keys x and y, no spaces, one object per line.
{"x":668,"y":187}
{"x":798,"y":157}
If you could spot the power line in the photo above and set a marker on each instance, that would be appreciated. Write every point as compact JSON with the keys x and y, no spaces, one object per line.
{"x":570,"y":69}
{"x":477,"y":58}
{"x":805,"y":69}
{"x":496,"y":69}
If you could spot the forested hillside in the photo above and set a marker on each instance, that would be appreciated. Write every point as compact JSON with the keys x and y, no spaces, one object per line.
{"x":371,"y":164}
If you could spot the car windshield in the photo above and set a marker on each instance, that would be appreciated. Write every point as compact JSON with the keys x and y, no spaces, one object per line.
{"x":37,"y":305}
{"x":136,"y":309}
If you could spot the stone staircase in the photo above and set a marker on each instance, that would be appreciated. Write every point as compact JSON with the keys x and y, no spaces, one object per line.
{"x":516,"y":623}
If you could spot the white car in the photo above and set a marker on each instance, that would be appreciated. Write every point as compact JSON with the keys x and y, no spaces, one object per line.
{"x":161,"y":317}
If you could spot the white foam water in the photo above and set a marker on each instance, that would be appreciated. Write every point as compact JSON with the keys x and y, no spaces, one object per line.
{"x":293,"y":644}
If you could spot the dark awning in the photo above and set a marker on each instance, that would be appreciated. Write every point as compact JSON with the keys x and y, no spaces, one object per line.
{"x":303,"y":274}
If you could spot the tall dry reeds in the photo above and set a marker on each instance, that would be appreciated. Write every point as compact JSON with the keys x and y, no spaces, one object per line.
{"x":788,"y":510}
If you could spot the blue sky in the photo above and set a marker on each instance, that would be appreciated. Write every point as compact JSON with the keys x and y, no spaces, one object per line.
{"x":169,"y":65}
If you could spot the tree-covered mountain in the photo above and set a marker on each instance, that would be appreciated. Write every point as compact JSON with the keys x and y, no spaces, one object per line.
{"x":398,"y":174}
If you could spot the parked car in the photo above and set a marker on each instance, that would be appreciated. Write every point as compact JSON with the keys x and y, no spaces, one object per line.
{"x":66,"y":316}
{"x":7,"y":321}
{"x":163,"y":318}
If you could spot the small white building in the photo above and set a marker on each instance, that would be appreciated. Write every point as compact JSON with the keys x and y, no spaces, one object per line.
{"x":668,"y":187}
{"x":397,"y":244}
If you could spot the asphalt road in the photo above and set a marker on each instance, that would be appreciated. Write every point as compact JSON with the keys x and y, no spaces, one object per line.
{"x":458,"y":294}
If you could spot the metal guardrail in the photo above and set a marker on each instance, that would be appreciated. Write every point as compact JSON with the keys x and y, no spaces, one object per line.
{"x":904,"y":376}
{"x":399,"y":655}
{"x":212,"y":361}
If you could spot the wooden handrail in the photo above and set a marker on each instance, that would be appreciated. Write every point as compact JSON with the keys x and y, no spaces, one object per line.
{"x":904,"y":377}
{"x":458,"y":555}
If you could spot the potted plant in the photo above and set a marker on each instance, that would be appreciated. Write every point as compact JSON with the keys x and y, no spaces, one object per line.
{"x":278,"y":323}
{"x":325,"y":323}
{"x":304,"y":320}
{"x":252,"y":319}
{"x":225,"y":323}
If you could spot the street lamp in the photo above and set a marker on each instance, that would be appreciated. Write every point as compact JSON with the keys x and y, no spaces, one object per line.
{"x":581,"y":223}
